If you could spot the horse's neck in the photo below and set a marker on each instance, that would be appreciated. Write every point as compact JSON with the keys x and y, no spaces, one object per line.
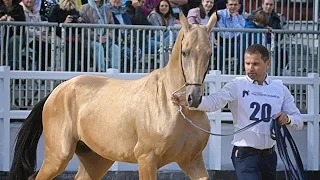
{"x":173,"y":71}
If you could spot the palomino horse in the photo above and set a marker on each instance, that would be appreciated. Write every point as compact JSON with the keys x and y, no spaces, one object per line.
{"x":104,"y":120}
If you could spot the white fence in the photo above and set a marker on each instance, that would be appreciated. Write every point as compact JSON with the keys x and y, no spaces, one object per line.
{"x":214,"y":155}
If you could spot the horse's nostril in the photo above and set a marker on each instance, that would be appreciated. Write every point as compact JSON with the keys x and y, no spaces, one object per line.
{"x":189,"y":98}
{"x":200,"y":99}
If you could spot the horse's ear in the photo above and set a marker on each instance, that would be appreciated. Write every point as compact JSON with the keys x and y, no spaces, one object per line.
{"x":212,"y":22}
{"x":184,"y":21}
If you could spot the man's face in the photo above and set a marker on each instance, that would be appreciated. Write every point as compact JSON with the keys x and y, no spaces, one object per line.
{"x":233,"y":6}
{"x":28,"y":3}
{"x":255,"y":67}
{"x":267,"y":6}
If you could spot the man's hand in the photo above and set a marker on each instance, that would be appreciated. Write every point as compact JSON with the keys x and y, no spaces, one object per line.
{"x":282,"y":118}
{"x":179,"y":99}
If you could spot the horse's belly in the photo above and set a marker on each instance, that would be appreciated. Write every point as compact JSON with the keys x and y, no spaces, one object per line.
{"x":112,"y":140}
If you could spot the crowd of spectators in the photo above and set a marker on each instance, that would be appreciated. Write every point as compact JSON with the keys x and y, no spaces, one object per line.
{"x":135,"y":12}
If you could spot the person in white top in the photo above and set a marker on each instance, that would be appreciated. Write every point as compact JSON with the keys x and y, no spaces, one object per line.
{"x":251,"y":98}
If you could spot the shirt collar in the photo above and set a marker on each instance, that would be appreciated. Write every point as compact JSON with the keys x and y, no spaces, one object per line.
{"x":267,"y":80}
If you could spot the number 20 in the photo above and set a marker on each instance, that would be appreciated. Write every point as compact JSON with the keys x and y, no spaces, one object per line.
{"x":265,"y":114}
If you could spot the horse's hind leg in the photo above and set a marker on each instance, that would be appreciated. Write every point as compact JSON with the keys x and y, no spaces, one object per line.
{"x":195,"y":169}
{"x":56,"y":159}
{"x":59,"y":147}
{"x":91,"y":165}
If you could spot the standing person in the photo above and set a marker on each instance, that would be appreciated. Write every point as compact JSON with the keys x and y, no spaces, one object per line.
{"x":251,"y":98}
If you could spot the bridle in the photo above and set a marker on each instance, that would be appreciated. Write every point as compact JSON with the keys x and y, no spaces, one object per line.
{"x":184,"y":76}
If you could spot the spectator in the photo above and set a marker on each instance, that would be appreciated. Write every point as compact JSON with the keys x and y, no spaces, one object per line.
{"x":120,"y":16}
{"x":274,"y":22}
{"x":230,"y":18}
{"x":10,"y":10}
{"x":149,"y":6}
{"x":162,"y":15}
{"x":67,"y":12}
{"x":134,"y":10}
{"x":97,"y":12}
{"x":201,"y":14}
{"x":190,"y":5}
{"x":33,"y":16}
{"x":259,"y":21}
{"x":221,"y":4}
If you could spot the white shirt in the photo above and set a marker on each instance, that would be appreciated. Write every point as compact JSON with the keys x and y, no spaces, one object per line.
{"x":244,"y":96}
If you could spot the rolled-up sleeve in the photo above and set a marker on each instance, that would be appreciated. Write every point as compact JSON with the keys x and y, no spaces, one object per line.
{"x":289,"y":107}
{"x":219,"y":99}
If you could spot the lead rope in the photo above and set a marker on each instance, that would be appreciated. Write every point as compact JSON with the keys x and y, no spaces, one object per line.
{"x":214,"y":134}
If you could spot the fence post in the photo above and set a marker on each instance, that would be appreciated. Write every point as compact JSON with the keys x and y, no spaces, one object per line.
{"x":272,"y":53}
{"x":313,"y":127}
{"x":4,"y":118}
{"x":215,"y":141}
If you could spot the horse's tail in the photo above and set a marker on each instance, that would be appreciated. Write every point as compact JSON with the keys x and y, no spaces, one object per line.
{"x":25,"y":153}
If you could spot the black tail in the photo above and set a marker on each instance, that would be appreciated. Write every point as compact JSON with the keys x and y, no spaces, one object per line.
{"x":25,"y":153}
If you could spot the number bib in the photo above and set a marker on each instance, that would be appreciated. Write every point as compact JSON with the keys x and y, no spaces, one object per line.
{"x":257,"y":102}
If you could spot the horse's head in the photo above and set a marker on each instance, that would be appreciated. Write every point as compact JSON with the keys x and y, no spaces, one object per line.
{"x":195,"y":56}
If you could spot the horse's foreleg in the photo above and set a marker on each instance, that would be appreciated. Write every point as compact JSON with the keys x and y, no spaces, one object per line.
{"x":92,"y":166}
{"x":195,"y":169}
{"x":148,"y":165}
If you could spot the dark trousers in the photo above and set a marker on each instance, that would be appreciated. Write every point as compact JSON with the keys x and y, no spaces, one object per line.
{"x":253,"y":164}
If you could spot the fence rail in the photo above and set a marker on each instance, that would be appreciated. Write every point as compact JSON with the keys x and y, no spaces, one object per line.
{"x":214,"y":79}
{"x":141,"y":49}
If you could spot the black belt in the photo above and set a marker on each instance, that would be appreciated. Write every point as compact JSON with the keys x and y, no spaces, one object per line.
{"x":259,"y":151}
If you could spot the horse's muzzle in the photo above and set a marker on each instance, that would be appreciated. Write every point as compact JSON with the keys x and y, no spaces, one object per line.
{"x":194,"y":95}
